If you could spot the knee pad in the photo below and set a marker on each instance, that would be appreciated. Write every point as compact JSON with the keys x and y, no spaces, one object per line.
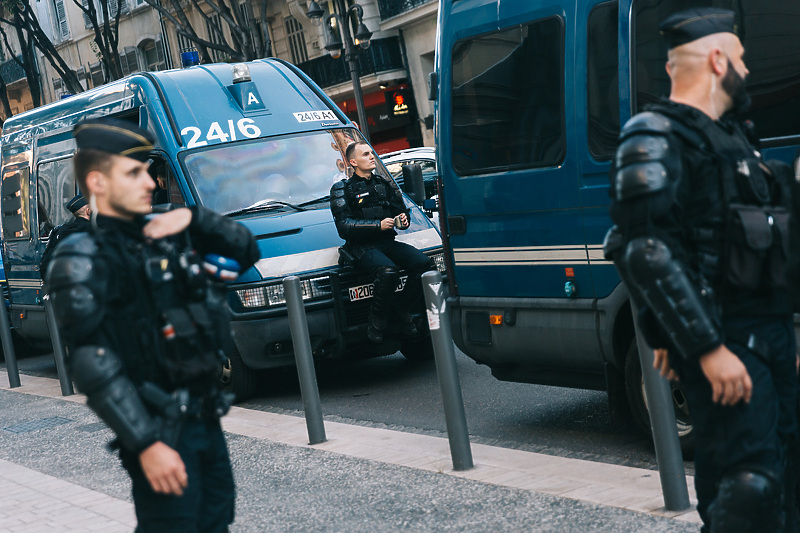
{"x":386,"y":276}
{"x":747,"y":501}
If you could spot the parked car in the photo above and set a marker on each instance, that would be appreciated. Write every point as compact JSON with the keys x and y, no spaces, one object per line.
{"x":425,"y":157}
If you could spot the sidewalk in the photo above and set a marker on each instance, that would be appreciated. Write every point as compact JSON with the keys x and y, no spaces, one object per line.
{"x":55,"y":475}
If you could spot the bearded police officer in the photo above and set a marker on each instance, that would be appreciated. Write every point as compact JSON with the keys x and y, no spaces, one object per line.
{"x":145,"y":324}
{"x":700,"y":241}
{"x":367,"y":208}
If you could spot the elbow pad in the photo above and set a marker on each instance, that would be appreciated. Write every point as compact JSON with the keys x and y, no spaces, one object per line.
{"x":97,"y":372}
{"x":662,"y":283}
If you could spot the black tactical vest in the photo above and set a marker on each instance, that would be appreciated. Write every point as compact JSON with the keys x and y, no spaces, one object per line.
{"x":368,"y":199}
{"x":742,"y":241}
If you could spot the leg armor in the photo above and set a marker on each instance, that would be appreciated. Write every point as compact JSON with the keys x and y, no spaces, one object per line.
{"x":746,"y":502}
{"x":112,"y":396}
{"x":385,"y":285}
{"x":663,"y":284}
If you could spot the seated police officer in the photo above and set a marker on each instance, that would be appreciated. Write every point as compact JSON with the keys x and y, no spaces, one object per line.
{"x":367,"y":208}
{"x":79,"y":208}
{"x":700,"y":241}
{"x":145,"y":325}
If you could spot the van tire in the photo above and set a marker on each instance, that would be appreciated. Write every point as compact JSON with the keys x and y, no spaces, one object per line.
{"x":634,"y":384}
{"x":238,"y":377}
{"x":418,"y":350}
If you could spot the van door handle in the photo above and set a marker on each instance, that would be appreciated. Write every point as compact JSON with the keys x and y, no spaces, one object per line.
{"x":457,"y":225}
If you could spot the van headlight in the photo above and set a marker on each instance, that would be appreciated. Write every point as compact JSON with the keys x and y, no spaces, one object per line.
{"x":272,"y":295}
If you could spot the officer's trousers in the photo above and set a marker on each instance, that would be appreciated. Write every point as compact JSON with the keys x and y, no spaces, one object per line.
{"x":399,"y":255}
{"x":752,"y":436}
{"x":207,"y":503}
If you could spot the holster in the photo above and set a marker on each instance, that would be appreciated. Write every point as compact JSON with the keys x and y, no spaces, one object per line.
{"x":168,"y":409}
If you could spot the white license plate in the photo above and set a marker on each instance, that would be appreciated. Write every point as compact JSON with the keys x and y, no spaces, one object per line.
{"x":363,"y":292}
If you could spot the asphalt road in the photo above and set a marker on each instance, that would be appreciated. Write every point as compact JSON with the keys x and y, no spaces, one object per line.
{"x":398,"y":394}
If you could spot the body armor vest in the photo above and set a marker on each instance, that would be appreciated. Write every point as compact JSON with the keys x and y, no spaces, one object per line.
{"x":741,"y":242}
{"x":369,"y":199}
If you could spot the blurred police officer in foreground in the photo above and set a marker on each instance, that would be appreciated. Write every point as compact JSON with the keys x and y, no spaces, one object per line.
{"x":366,"y":208}
{"x":145,"y":325}
{"x":79,"y":208}
{"x":700,"y":241}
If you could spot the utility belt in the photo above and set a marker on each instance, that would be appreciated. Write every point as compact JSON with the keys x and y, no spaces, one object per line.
{"x":172,"y":410}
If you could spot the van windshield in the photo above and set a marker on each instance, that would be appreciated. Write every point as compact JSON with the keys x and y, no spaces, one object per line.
{"x":292,"y":172}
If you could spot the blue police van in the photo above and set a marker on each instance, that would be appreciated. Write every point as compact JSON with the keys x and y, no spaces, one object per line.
{"x":258,"y":142}
{"x":530,"y":96}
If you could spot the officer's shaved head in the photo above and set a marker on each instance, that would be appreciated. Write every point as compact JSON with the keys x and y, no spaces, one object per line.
{"x":351,"y":149}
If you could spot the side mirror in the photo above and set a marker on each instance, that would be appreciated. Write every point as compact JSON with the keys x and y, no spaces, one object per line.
{"x":415,"y":186}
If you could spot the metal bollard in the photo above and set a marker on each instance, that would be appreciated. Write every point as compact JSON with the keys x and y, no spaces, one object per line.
{"x":8,"y":347}
{"x":58,"y":348}
{"x":665,"y":432}
{"x":442,"y":339}
{"x":304,"y":360}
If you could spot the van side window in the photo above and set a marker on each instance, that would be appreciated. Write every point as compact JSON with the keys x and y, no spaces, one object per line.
{"x":14,"y":190}
{"x":55,"y":186}
{"x":167,"y":190}
{"x":770,"y":33}
{"x":508,"y":99}
{"x":602,"y":84}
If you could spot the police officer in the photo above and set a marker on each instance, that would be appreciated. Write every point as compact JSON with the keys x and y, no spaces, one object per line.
{"x":367,"y":208}
{"x":79,"y":208}
{"x":145,"y":325}
{"x":700,"y":241}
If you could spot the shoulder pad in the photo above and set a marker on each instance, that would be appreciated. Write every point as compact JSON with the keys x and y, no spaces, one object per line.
{"x":647,"y":122}
{"x":77,"y":244}
{"x":337,"y":190}
{"x":338,"y":196}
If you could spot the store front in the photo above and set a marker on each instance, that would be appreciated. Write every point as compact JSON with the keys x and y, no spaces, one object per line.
{"x":391,"y":118}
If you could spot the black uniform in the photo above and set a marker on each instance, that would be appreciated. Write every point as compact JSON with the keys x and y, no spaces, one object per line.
{"x":701,"y":243}
{"x":59,"y":233}
{"x":358,"y":206}
{"x":146,"y":326}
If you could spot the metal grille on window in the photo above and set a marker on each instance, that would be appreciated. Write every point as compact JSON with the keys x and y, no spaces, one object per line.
{"x":58,"y":87}
{"x":215,"y":37}
{"x":82,"y":77}
{"x":96,"y":74}
{"x":297,"y":40}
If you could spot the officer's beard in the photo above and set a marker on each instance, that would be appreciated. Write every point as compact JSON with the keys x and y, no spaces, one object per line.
{"x":733,"y":85}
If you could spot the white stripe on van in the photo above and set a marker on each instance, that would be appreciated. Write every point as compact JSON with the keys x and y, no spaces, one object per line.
{"x":569,"y":254}
{"x":284,"y":265}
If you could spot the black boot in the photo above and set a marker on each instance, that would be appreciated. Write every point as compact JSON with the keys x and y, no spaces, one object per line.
{"x":407,"y":326}
{"x":385,"y":283}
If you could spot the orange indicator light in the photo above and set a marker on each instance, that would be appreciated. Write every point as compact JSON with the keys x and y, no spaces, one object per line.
{"x":569,"y":272}
{"x":495,"y":320}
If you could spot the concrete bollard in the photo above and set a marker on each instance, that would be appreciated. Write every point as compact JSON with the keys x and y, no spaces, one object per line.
{"x":304,"y":360}
{"x":442,"y":339}
{"x":665,"y":432}
{"x":8,"y":347}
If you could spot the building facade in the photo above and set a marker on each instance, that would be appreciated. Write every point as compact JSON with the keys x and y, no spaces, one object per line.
{"x":393,"y":70}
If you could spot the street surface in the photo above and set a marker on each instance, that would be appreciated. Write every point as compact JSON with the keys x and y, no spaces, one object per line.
{"x":393,"y":393}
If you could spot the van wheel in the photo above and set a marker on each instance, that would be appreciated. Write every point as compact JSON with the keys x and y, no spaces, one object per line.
{"x":634,"y":384}
{"x":418,"y":350}
{"x":238,"y":377}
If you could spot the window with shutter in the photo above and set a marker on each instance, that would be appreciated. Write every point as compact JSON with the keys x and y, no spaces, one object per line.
{"x":62,"y":26}
{"x":83,"y":78}
{"x":87,"y":22}
{"x":160,"y":55}
{"x":58,"y":87}
{"x":215,"y":37}
{"x":297,"y":40}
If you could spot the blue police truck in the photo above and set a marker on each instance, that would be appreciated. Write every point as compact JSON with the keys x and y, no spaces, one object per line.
{"x":259,"y":142}
{"x":530,"y":96}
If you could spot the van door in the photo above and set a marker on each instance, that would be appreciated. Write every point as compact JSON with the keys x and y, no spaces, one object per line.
{"x":512,"y":198}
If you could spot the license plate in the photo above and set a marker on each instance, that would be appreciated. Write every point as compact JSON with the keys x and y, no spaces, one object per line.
{"x":362,"y":292}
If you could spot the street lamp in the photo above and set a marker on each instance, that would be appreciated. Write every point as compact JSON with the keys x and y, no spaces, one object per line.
{"x":337,"y":38}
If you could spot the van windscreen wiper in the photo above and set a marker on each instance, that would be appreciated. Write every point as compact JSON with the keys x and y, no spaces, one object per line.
{"x":317,"y":201}
{"x":264,"y":205}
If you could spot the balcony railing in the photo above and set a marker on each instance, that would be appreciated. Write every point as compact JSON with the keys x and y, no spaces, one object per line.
{"x":381,"y":56}
{"x":392,"y":8}
{"x":11,"y":71}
